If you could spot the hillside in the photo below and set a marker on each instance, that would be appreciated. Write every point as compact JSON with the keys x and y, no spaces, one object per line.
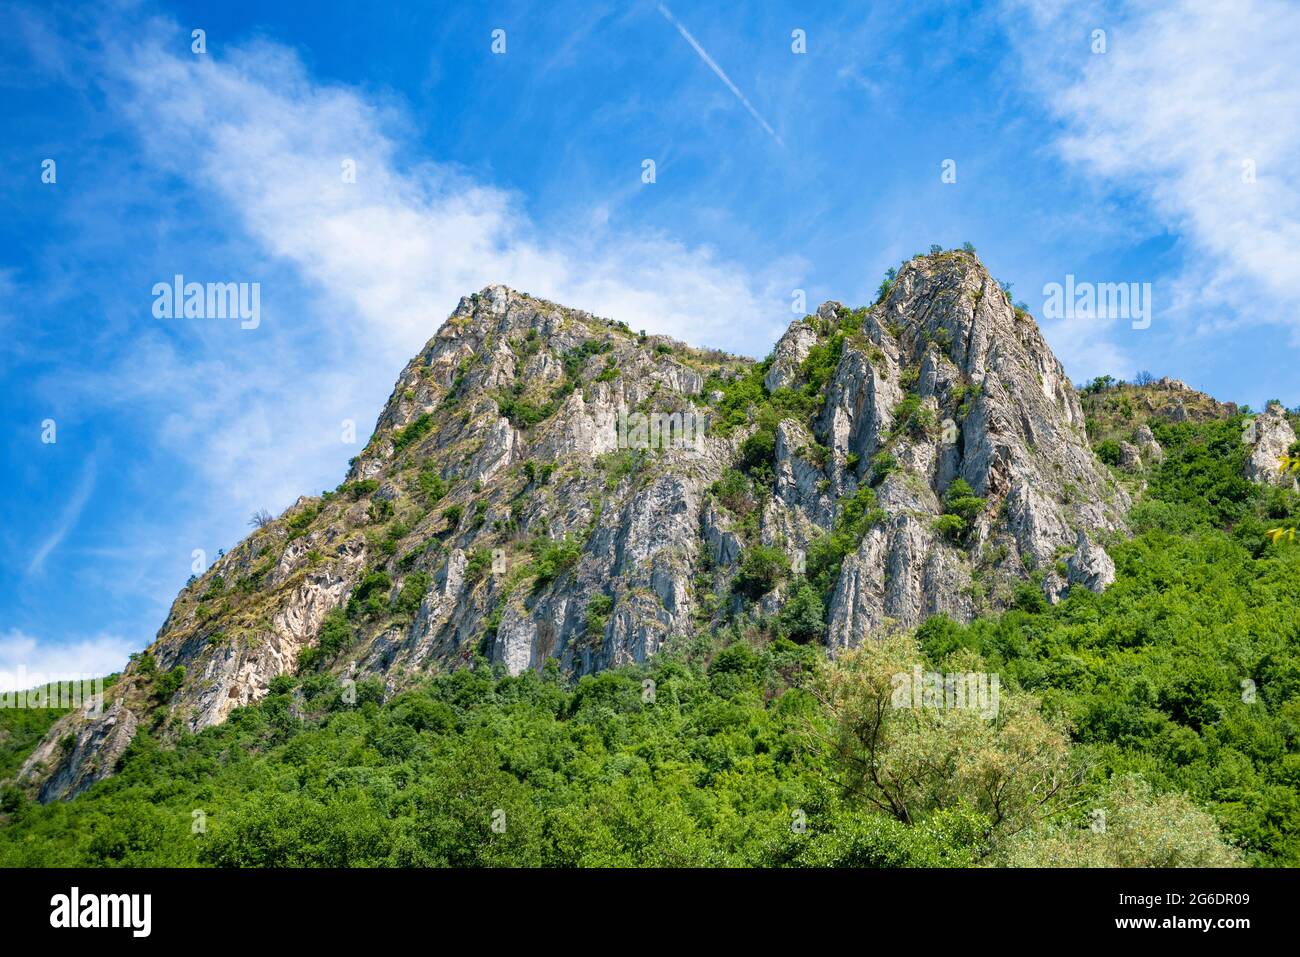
{"x":671,"y":655}
{"x":922,"y":455}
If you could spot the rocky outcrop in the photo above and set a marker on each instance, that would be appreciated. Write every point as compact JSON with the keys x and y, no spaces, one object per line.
{"x":1271,"y":437}
{"x":1148,"y":447}
{"x":543,"y":484}
{"x":85,"y":749}
{"x":1090,"y":566}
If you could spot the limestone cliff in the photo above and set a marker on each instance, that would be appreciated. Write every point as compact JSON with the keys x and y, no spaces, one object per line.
{"x":545,"y":484}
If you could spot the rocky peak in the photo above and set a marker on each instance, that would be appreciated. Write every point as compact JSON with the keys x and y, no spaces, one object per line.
{"x":545,"y":484}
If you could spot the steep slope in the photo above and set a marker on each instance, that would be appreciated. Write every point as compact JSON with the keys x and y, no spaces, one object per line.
{"x":924,"y":454}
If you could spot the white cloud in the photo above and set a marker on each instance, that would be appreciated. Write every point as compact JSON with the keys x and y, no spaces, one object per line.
{"x":403,"y":243}
{"x":1185,"y":94}
{"x":26,"y":662}
{"x":387,"y":256}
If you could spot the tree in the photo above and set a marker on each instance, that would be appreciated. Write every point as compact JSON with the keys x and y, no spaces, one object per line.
{"x":910,"y":762}
{"x":802,"y":617}
{"x":261,"y":518}
{"x":1131,"y":827}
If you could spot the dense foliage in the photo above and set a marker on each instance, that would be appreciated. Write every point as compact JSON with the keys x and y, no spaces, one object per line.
{"x":1169,"y":704}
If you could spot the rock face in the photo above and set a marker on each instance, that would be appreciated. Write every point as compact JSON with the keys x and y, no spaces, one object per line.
{"x":996,"y":411}
{"x":1148,"y":447}
{"x":544,"y":484}
{"x":85,"y":751}
{"x":1272,"y":438}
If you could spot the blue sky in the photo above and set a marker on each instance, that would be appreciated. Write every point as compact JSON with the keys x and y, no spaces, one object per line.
{"x":525,"y":167}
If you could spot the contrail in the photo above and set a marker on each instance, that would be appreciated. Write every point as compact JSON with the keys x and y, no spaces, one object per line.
{"x":71,"y":512}
{"x":721,"y":76}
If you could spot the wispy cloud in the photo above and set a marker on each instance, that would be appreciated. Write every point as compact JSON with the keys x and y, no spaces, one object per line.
{"x":356,"y":276}
{"x":26,"y":662}
{"x":708,"y":60}
{"x":1189,"y":107}
{"x":68,"y":517}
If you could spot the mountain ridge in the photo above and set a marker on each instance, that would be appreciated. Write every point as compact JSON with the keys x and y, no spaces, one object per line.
{"x":925,"y":454}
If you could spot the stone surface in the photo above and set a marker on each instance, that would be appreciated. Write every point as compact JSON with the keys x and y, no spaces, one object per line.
{"x":1273,"y":436}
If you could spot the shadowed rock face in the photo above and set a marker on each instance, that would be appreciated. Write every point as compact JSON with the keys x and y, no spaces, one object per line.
{"x":493,"y":512}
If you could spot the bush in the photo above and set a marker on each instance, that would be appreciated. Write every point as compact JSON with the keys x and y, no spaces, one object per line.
{"x":370,"y":598}
{"x":480,"y":562}
{"x":855,"y":514}
{"x":452,"y":515}
{"x":168,"y":683}
{"x":618,"y":465}
{"x":413,"y":432}
{"x":412,"y":593}
{"x":432,"y":486}
{"x":758,"y":450}
{"x":961,"y":503}
{"x":334,"y":636}
{"x":597,"y":615}
{"x":762,"y":569}
{"x":362,"y":488}
{"x":1108,"y":452}
{"x":801,"y":618}
{"x":951,"y":526}
{"x":735,"y":492}
{"x":1029,"y":598}
{"x":552,"y":557}
{"x":522,"y":413}
{"x":882,"y":464}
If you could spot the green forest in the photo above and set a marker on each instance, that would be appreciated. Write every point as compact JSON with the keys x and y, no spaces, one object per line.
{"x":1153,"y":724}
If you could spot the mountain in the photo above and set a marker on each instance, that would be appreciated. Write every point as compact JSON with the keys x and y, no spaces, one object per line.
{"x":923,"y":455}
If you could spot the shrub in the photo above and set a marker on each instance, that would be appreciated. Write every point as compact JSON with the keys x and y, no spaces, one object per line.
{"x":1108,"y":452}
{"x":413,"y":591}
{"x":298,"y":524}
{"x":1029,"y":598}
{"x":413,"y":432}
{"x":167,"y":683}
{"x":762,"y":569}
{"x":758,"y":450}
{"x":618,"y":465}
{"x":855,"y":514}
{"x":362,"y":488}
{"x":370,"y":598}
{"x":522,"y":413}
{"x":597,"y":615}
{"x":801,"y":618}
{"x":478,"y":565}
{"x":882,"y":464}
{"x":552,"y":557}
{"x":735,"y":492}
{"x":952,"y":526}
{"x":960,"y":499}
{"x":432,"y":486}
{"x":452,"y":515}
